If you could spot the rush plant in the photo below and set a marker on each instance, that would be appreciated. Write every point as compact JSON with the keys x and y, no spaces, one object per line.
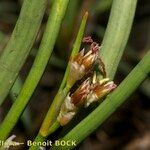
{"x":94,"y":67}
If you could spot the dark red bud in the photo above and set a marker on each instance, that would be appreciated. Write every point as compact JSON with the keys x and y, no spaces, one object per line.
{"x":87,"y":39}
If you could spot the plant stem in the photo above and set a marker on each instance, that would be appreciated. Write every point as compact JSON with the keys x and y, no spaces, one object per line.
{"x":50,"y":119}
{"x":53,"y":111}
{"x":112,"y":102}
{"x":68,"y":25}
{"x":40,"y":138}
{"x":20,"y":43}
{"x":39,"y":65}
{"x":117,"y":34}
{"x":76,"y":47}
{"x":25,"y":118}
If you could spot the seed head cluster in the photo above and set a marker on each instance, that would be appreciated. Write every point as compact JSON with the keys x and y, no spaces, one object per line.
{"x":89,"y":91}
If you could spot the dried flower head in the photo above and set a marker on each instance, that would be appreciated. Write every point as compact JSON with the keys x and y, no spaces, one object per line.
{"x":99,"y":89}
{"x":72,"y":103}
{"x":89,"y":91}
{"x":80,"y":95}
{"x":82,"y":63}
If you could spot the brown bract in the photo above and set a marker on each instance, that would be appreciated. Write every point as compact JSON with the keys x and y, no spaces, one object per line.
{"x":99,"y":90}
{"x":79,"y":96}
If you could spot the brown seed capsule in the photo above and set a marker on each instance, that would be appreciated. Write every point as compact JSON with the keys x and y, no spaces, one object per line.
{"x":89,"y":59}
{"x":99,"y":90}
{"x":80,"y":64}
{"x":72,"y":103}
{"x":79,"y":96}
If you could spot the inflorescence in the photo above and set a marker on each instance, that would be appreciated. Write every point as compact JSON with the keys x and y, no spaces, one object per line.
{"x":92,"y":89}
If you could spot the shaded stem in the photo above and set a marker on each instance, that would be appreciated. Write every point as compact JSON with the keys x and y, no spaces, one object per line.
{"x":40,"y":138}
{"x":53,"y":111}
{"x":76,"y":47}
{"x":25,"y":118}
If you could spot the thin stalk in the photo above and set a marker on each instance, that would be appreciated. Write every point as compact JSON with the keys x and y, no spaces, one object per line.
{"x":53,"y":111}
{"x":39,"y":65}
{"x":20,"y":43}
{"x":76,"y":46}
{"x":50,"y":124}
{"x":68,"y":25}
{"x":25,"y":118}
{"x":117,"y":34}
{"x":54,"y":61}
{"x":55,"y":106}
{"x":107,"y":107}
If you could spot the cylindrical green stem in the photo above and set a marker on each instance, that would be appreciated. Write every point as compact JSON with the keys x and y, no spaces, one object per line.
{"x":76,"y":47}
{"x":39,"y":138}
{"x":53,"y":111}
{"x":39,"y":65}
{"x":26,"y":117}
{"x":117,"y":34}
{"x":20,"y":43}
{"x":112,"y":102}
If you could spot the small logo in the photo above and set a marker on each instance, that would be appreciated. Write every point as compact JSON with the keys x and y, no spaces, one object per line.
{"x":9,"y":142}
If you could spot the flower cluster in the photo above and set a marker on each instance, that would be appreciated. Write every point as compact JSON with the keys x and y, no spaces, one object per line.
{"x":99,"y":89}
{"x":73,"y":102}
{"x":82,"y":63}
{"x":91,"y":90}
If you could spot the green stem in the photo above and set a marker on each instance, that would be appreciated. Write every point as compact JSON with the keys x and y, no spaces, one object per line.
{"x":39,"y":65}
{"x":112,"y":102}
{"x":20,"y":43}
{"x":117,"y":34}
{"x":54,"y":127}
{"x":68,"y":25}
{"x":25,"y":118}
{"x":41,"y":139}
{"x":76,"y":47}
{"x":53,"y":111}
